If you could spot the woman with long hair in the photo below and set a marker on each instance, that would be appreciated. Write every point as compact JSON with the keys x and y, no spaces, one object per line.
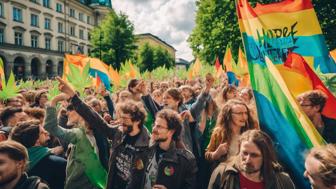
{"x":233,"y":119}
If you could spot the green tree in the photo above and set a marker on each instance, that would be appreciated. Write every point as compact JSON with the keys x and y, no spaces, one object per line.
{"x":217,"y":26}
{"x":163,"y":58}
{"x":113,"y":40}
{"x":150,"y":57}
{"x":146,"y":58}
{"x":326,"y":14}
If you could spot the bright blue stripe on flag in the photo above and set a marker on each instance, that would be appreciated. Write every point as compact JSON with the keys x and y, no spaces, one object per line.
{"x":103,"y":77}
{"x":277,"y":48}
{"x":290,"y":149}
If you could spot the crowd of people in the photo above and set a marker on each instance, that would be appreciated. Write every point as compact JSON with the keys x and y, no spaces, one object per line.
{"x":175,"y":134}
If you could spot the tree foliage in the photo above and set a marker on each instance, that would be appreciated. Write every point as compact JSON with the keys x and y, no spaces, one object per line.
{"x":217,"y":26}
{"x":113,"y":40}
{"x":150,"y":57}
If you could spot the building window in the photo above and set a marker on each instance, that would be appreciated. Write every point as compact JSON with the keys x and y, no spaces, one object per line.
{"x":89,"y":36}
{"x":60,"y":27}
{"x":2,"y":35}
{"x":34,"y":41}
{"x":72,"y":13}
{"x":81,"y":49}
{"x":17,"y":14}
{"x":48,"y":43}
{"x":88,"y":20}
{"x":46,"y":3}
{"x":18,"y":38}
{"x":34,"y":20}
{"x":72,"y":30}
{"x":59,"y":7}
{"x":35,"y":1}
{"x":81,"y":16}
{"x":1,"y":10}
{"x":81,"y":34}
{"x":60,"y":46}
{"x":47,"y":23}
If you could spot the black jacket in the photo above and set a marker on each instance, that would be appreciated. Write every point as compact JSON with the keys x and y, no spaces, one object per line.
{"x":329,"y":131}
{"x":117,"y":137}
{"x":177,"y":168}
{"x":26,"y":182}
{"x":51,"y":169}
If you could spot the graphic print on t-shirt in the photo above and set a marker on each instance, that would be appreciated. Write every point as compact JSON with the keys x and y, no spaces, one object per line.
{"x":124,"y":162}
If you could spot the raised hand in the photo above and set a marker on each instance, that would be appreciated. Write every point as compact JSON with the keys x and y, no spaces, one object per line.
{"x":187,"y":115}
{"x":141,"y":87}
{"x":209,"y":81}
{"x":64,"y":87}
{"x":221,"y":150}
{"x":58,"y":98}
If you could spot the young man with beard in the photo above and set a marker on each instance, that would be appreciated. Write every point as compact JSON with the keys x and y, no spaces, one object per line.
{"x":13,"y":163}
{"x":129,"y":141}
{"x":169,"y":165}
{"x":255,"y":166}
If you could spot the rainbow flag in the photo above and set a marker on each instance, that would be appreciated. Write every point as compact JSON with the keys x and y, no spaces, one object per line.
{"x":279,"y":113}
{"x":97,"y":67}
{"x":299,"y":78}
{"x":276,"y":29}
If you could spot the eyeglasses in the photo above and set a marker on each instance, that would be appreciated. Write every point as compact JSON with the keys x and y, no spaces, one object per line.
{"x":160,"y":127}
{"x":240,"y":113}
{"x":125,"y":118}
{"x":306,"y":105}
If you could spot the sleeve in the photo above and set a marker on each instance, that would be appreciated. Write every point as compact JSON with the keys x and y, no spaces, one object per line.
{"x":151,"y":105}
{"x":198,"y":106}
{"x":191,"y":173}
{"x":50,"y":124}
{"x":110,"y":105}
{"x":62,"y":121}
{"x":94,"y":119}
{"x":284,"y":181}
{"x":213,"y":144}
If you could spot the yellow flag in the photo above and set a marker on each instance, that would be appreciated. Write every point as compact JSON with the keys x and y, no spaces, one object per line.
{"x":114,"y":75}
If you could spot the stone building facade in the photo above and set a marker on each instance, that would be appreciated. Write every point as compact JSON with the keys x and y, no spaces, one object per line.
{"x":35,"y":34}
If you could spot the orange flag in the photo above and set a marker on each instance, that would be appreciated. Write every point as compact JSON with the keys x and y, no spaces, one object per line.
{"x":197,"y":67}
{"x":132,"y":72}
{"x":114,"y":75}
{"x":72,"y":59}
{"x":243,"y":70}
{"x":228,"y":60}
{"x":333,"y":54}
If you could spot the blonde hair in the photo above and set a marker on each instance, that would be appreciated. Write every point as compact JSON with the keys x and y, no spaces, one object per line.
{"x":327,"y":156}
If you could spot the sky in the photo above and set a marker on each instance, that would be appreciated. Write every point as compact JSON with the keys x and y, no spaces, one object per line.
{"x":170,"y":20}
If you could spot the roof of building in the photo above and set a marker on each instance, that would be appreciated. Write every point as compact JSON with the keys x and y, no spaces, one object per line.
{"x":156,"y":37}
{"x":182,"y":61}
{"x":106,"y":3}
